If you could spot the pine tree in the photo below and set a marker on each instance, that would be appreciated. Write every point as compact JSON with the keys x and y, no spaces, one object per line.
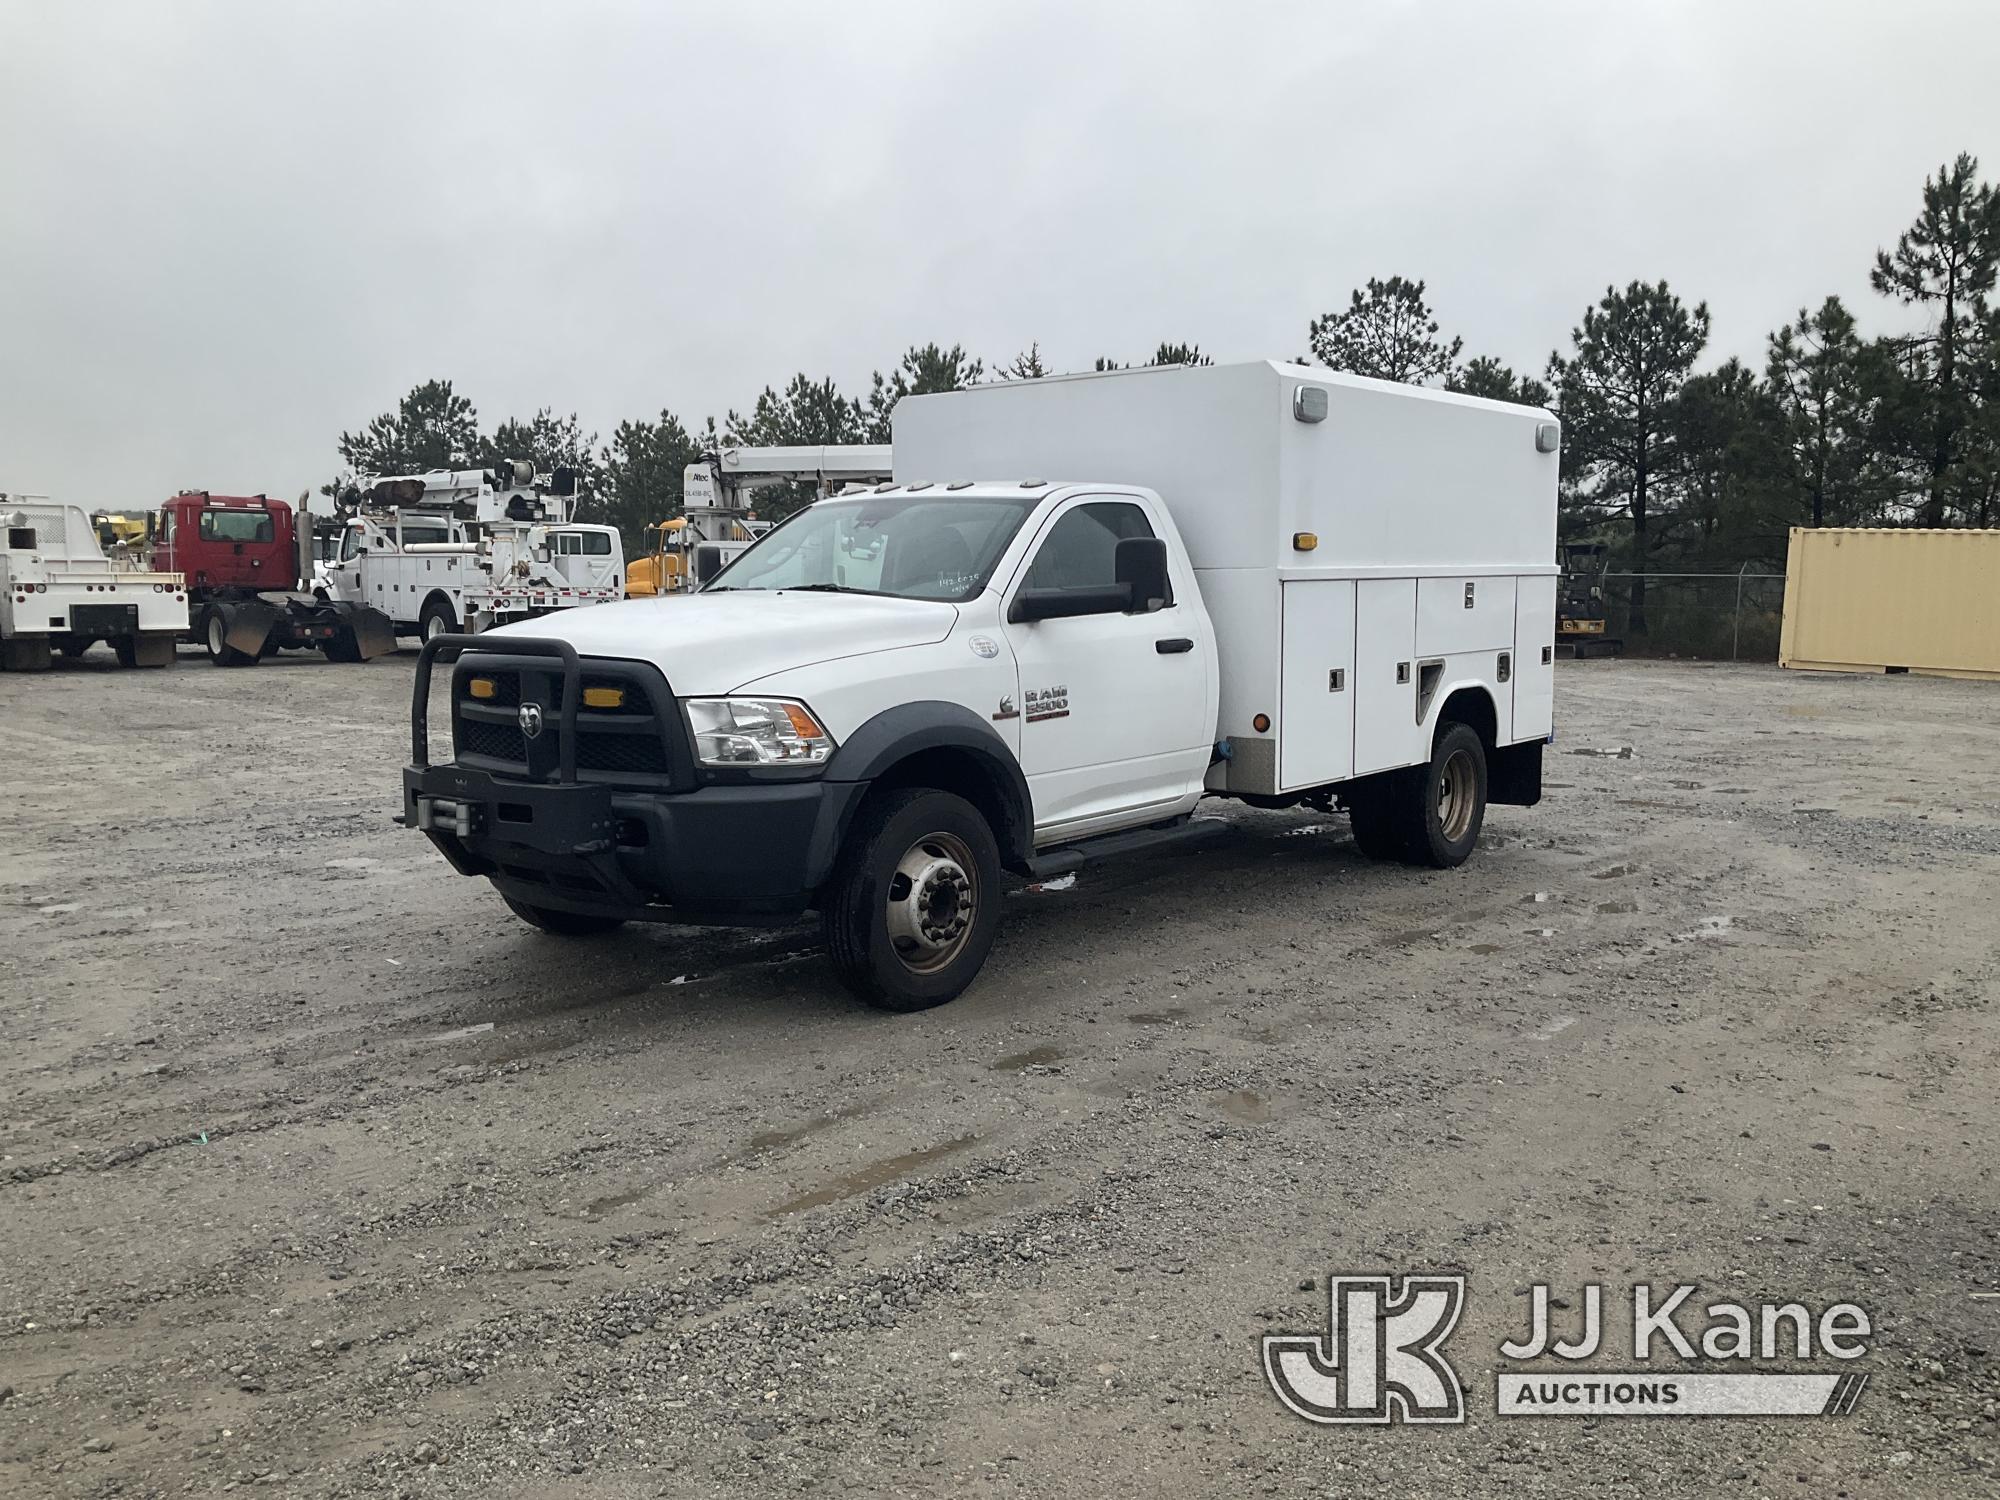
{"x":922,"y":371}
{"x":1944,"y":263}
{"x":1389,"y":333}
{"x":431,"y":428}
{"x":1632,"y":352}
{"x":1487,"y":377}
{"x":1814,"y":371}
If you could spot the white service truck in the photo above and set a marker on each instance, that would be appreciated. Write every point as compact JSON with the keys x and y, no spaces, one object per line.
{"x":465,"y":550}
{"x":58,"y":591}
{"x":1084,"y":605}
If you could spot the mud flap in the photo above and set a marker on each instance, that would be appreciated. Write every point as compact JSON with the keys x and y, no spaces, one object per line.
{"x":25,"y":653}
{"x":153,"y":648}
{"x":247,"y":627}
{"x":374,"y":635}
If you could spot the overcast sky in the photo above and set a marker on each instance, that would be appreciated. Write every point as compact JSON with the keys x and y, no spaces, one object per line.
{"x":230,"y":230}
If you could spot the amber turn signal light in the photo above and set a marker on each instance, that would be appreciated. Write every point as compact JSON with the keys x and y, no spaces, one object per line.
{"x":603,"y":697}
{"x":481,"y":687}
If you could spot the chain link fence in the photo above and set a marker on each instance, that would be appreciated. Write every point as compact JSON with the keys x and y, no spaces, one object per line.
{"x":1720,"y":616}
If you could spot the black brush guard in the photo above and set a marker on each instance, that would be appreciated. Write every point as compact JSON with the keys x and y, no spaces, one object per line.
{"x":540,"y":832}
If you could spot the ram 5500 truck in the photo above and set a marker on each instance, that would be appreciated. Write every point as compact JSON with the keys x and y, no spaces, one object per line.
{"x":1084,"y":605}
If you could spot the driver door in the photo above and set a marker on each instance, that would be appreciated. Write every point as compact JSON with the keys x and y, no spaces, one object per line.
{"x":1117,"y":710}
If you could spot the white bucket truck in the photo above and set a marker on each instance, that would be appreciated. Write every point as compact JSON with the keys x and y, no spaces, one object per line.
{"x":58,"y":590}
{"x":470,"y":549}
{"x":1085,"y":604}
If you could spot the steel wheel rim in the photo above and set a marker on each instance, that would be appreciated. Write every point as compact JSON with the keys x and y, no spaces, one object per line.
{"x":1455,"y":796}
{"x":932,"y":902}
{"x":215,"y":635}
{"x":434,"y":628}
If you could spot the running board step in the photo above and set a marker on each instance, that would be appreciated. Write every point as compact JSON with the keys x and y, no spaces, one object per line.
{"x":1188,"y":833}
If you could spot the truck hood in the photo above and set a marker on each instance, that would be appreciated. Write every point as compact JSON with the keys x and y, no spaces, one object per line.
{"x":714,"y":643}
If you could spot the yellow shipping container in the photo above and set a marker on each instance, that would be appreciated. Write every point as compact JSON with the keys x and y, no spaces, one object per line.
{"x":1879,"y":599}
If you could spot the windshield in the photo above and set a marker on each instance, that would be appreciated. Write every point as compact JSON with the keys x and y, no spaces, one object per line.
{"x":235,"y":526}
{"x":913,"y":546}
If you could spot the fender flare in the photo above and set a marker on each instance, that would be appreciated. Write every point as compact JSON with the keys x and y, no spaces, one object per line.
{"x":895,"y":734}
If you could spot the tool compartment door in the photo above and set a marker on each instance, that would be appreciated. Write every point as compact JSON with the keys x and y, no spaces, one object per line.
{"x":1534,"y":650}
{"x":1464,"y":614}
{"x":1316,"y":708}
{"x":1386,"y":731}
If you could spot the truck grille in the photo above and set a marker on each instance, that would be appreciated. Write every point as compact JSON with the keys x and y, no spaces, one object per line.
{"x":639,"y":743}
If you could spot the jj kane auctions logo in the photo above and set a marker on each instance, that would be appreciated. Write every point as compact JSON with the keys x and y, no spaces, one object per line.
{"x":1382,"y":1357}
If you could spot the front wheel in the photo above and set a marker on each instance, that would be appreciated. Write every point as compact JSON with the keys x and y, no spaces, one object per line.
{"x":914,"y":905}
{"x":562,"y":923}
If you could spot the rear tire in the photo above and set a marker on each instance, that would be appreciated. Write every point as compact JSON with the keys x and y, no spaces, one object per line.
{"x":75,"y":645}
{"x":1429,"y":814}
{"x":562,"y":923}
{"x":341,"y":646}
{"x":914,"y":903}
{"x":1376,"y":831}
{"x":125,"y":649}
{"x":437,"y":619}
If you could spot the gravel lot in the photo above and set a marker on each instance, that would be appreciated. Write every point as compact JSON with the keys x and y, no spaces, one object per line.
{"x":318,"y":1172}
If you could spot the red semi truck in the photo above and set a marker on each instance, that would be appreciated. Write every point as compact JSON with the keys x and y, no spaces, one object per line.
{"x":248,"y":567}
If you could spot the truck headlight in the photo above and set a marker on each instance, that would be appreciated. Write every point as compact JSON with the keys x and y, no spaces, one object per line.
{"x":756,"y":732}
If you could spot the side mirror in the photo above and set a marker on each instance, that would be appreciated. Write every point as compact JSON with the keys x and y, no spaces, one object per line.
{"x":1139,"y":563}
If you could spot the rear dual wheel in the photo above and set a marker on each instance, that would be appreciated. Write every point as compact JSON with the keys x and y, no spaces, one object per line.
{"x":1429,"y":814}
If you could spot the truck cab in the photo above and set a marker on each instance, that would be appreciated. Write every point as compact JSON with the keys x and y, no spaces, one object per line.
{"x":227,"y":541}
{"x":1291,"y":587}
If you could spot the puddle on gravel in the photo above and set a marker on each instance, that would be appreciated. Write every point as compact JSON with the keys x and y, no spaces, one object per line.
{"x":459,"y":1034}
{"x":1034,"y":1057}
{"x":1685,"y":786}
{"x":1485,"y":948}
{"x":597,"y":1208}
{"x":1156,"y":1017}
{"x":1617,"y":908}
{"x":1405,"y":939}
{"x":878,"y":1174}
{"x":1616,"y":872}
{"x":1246,"y":1105}
{"x":772,"y":1140}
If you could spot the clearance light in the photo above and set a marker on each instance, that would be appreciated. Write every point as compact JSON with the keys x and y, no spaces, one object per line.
{"x":603,"y":697}
{"x":1304,"y":541}
{"x":1261,"y":723}
{"x":481,"y":687}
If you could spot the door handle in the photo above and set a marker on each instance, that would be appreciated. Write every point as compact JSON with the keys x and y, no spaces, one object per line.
{"x":1173,"y":645}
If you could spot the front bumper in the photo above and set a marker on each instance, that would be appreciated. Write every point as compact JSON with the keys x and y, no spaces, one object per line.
{"x":738,"y":853}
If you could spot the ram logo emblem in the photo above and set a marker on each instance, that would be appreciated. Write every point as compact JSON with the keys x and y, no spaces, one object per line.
{"x":530,"y":719}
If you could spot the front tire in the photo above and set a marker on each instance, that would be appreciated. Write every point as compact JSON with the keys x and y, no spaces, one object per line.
{"x":914,"y":904}
{"x":562,"y":923}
